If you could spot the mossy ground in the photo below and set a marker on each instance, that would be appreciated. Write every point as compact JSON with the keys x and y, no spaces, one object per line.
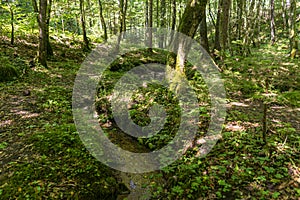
{"x":42,"y":156}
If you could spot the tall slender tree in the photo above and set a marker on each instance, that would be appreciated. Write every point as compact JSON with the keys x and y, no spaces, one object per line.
{"x":162,"y":21}
{"x":42,"y":20}
{"x":272,"y":21}
{"x":224,"y":22}
{"x":103,"y":24}
{"x":86,"y":46}
{"x":48,"y":16}
{"x":292,"y":29}
{"x":203,"y":33}
{"x":123,"y":11}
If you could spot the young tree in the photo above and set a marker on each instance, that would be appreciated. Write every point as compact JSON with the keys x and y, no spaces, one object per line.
{"x":217,"y":44}
{"x":162,"y":21}
{"x":150,"y":23}
{"x":86,"y":46}
{"x":103,"y":24}
{"x":272,"y":21}
{"x":203,"y":33}
{"x":42,"y":19}
{"x":48,"y":15}
{"x":173,"y":24}
{"x":293,"y":31}
{"x":221,"y":34}
{"x":49,"y":51}
{"x":123,"y":11}
{"x":224,"y":21}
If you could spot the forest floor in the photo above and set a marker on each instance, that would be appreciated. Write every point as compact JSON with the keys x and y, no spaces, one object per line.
{"x":41,"y":155}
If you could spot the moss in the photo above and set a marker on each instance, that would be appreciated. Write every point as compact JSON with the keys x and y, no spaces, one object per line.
{"x":7,"y":72}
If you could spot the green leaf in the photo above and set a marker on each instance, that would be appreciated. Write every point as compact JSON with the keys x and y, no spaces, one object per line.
{"x":276,"y":195}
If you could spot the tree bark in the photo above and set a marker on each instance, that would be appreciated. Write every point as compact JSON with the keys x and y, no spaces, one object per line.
{"x":12,"y":37}
{"x":42,"y":58}
{"x":174,"y":14}
{"x":162,"y":21}
{"x":224,"y":21}
{"x":123,"y":11}
{"x":103,"y":24}
{"x":150,"y":22}
{"x":217,"y":44}
{"x":85,"y":38}
{"x":189,"y":23}
{"x":292,"y":29}
{"x":203,"y":33}
{"x":272,"y":22}
{"x":49,"y":48}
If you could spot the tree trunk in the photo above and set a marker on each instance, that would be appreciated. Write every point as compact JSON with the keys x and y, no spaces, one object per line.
{"x":42,"y":58}
{"x":49,"y":48}
{"x":224,"y":21}
{"x":203,"y":33}
{"x":150,"y":24}
{"x":257,"y":24}
{"x":284,"y":15}
{"x":173,"y":23}
{"x":12,"y":37}
{"x":174,"y":14}
{"x":146,"y":13}
{"x":189,"y":23}
{"x":157,"y":13}
{"x":103,"y":24}
{"x":162,"y":21}
{"x":217,"y":45}
{"x":240,"y":13}
{"x":293,"y":31}
{"x":85,"y":38}
{"x":123,"y":11}
{"x":272,"y":22}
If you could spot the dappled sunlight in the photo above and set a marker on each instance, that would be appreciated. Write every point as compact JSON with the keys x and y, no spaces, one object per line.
{"x":5,"y":123}
{"x":24,"y":114}
{"x":239,"y":104}
{"x":56,"y":76}
{"x":240,"y":126}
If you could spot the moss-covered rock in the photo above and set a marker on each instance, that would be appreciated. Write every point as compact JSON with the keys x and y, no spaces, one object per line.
{"x":7,"y":72}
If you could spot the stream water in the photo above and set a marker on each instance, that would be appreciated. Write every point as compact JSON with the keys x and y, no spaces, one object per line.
{"x":138,"y":184}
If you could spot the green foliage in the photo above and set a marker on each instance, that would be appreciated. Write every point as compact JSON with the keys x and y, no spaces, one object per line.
{"x":7,"y":73}
{"x":11,"y":68}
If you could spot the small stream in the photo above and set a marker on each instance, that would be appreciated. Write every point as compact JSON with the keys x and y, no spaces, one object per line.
{"x":139,"y":184}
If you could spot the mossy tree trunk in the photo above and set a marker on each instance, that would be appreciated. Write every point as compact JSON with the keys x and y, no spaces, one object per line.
{"x":123,"y":11}
{"x":189,"y":23}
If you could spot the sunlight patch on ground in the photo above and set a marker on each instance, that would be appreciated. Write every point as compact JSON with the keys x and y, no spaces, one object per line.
{"x":240,"y":126}
{"x":55,"y":76}
{"x":234,"y":127}
{"x":237,"y":104}
{"x":6,"y":122}
{"x":25,"y":114}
